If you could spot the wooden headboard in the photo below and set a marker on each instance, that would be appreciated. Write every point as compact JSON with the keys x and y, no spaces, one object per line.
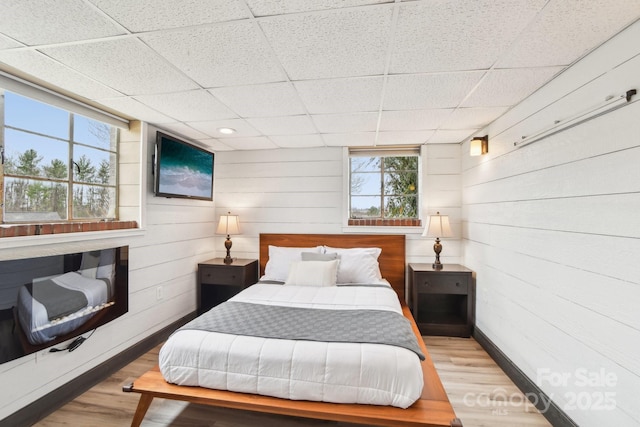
{"x":391,"y":260}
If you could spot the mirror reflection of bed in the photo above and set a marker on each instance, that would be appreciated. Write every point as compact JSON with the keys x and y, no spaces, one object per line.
{"x":48,"y":300}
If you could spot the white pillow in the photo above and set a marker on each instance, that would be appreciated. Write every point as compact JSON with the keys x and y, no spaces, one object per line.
{"x":89,"y":264}
{"x":313,"y":273}
{"x":280,"y":258}
{"x":358,"y":265}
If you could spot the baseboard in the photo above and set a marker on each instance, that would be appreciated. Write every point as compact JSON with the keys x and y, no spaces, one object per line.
{"x":47,"y":404}
{"x":554,"y":414}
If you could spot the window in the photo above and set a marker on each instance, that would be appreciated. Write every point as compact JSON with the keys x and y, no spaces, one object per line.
{"x":57,"y":165}
{"x":383,"y":187}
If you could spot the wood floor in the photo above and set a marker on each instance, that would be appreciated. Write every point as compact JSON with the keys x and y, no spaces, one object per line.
{"x":481,"y":394}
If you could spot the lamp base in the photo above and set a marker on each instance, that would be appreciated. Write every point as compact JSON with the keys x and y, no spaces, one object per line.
{"x":437,"y":266}
{"x":227,"y":245}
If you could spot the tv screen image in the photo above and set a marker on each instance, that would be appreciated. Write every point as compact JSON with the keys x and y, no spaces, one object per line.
{"x":47,"y":300}
{"x":182,"y":169}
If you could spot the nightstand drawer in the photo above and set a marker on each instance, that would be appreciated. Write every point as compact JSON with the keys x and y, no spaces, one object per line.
{"x":221,"y":276}
{"x":443,"y":283}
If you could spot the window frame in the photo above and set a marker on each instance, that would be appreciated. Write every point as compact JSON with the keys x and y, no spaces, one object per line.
{"x":71,"y":179}
{"x":360,"y":224}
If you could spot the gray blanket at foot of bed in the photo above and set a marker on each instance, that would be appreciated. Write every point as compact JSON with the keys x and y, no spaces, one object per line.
{"x":57,"y":300}
{"x":293,"y":323}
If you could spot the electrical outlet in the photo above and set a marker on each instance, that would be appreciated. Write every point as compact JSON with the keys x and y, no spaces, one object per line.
{"x":159,"y":293}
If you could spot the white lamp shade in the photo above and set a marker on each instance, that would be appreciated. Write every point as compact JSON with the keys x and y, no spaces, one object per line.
{"x":229,"y":224}
{"x":438,"y":226}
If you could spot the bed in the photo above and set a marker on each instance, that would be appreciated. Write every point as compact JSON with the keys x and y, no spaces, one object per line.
{"x":426,"y":403}
{"x":53,"y":306}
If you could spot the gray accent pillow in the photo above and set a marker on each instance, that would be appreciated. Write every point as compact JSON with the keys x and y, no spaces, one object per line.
{"x":313,"y":256}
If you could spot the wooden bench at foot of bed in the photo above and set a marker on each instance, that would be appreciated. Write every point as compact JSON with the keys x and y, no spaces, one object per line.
{"x":431,"y":410}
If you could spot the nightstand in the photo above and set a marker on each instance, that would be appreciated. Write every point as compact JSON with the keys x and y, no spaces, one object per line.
{"x":442,"y":301}
{"x":217,"y":281}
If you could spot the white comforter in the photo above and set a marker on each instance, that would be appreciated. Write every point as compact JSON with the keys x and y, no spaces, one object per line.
{"x":299,"y":370}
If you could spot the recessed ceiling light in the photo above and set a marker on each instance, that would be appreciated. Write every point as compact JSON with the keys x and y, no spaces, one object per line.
{"x":226,"y":131}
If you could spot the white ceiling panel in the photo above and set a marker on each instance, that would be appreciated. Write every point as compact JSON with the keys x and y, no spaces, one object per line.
{"x":184,"y":129}
{"x":452,"y":35}
{"x":305,"y":73}
{"x":298,"y":141}
{"x":471,"y":118}
{"x":215,"y":145}
{"x":42,"y":67}
{"x":344,"y":123}
{"x":450,"y":136}
{"x":508,"y":87}
{"x":149,"y":15}
{"x":428,"y":91}
{"x":195,"y":105}
{"x":362,"y":139}
{"x":54,"y":21}
{"x":285,"y":125}
{"x":211,"y":128}
{"x":342,"y":43}
{"x":404,"y":137}
{"x":414,"y":119}
{"x":341,"y":95}
{"x":136,"y":110}
{"x":6,"y":42}
{"x":232,"y":53}
{"x":268,"y":100}
{"x":126,"y":65}
{"x":282,"y":7}
{"x":249,"y":143}
{"x":559,"y":35}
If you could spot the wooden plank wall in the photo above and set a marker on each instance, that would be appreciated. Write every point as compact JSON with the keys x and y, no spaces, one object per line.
{"x":176,"y":235}
{"x":553,"y":232}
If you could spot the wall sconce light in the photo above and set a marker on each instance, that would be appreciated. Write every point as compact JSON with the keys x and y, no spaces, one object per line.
{"x":229,"y":224}
{"x":479,"y":145}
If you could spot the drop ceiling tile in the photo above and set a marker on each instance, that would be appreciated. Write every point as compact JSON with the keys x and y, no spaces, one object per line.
{"x":287,"y":125}
{"x":266,"y":100}
{"x":243,"y":129}
{"x":233,"y":53}
{"x":215,"y":145}
{"x":428,"y":91}
{"x":190,"y":106}
{"x":298,"y":141}
{"x":149,"y":15}
{"x":450,"y":136}
{"x":54,"y":21}
{"x":281,"y":7}
{"x":508,"y":87}
{"x":404,"y":137}
{"x":249,"y":143}
{"x":414,"y":119}
{"x":363,"y":139}
{"x":7,"y":43}
{"x":135,"y":109}
{"x":346,"y":123}
{"x":341,"y":43}
{"x":126,"y":65}
{"x":341,"y":95}
{"x":568,"y":29}
{"x":184,"y":130}
{"x":448,"y":35}
{"x":42,"y":67}
{"x":471,"y":118}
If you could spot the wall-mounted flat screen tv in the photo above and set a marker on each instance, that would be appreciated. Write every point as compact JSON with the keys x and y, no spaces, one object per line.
{"x":182,"y":169}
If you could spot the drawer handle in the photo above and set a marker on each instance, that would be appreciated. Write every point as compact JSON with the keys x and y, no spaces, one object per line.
{"x":457,"y":283}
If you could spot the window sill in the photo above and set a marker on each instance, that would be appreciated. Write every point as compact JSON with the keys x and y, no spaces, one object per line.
{"x":21,"y":230}
{"x":384,"y":222}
